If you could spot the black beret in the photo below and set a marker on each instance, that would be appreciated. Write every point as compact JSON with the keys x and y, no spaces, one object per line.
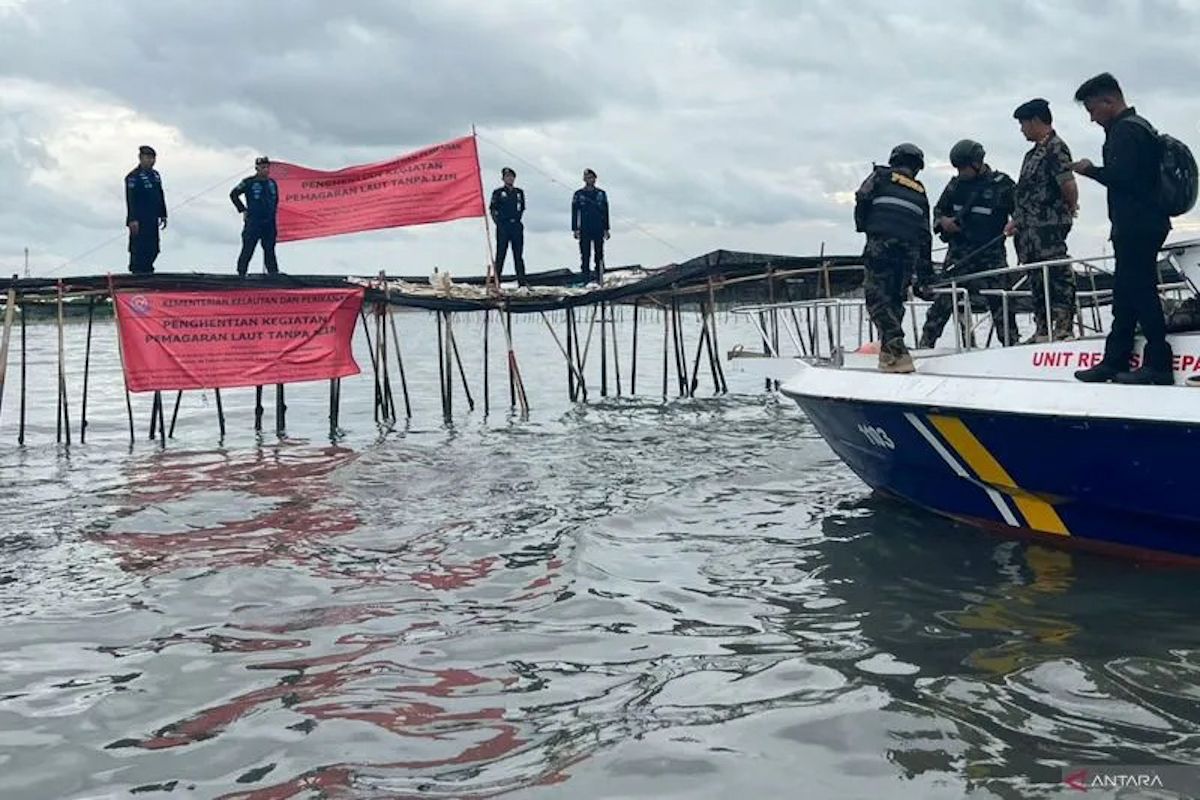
{"x":146,"y":150}
{"x":1037,"y":107}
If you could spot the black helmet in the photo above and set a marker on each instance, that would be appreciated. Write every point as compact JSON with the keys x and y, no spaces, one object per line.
{"x":966,"y":153}
{"x":907,"y":153}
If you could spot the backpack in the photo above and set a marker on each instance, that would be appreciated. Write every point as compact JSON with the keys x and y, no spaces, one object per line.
{"x":1177,"y":175}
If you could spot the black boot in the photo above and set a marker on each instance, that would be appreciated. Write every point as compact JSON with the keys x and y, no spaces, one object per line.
{"x":1101,"y":373}
{"x":1155,"y":369}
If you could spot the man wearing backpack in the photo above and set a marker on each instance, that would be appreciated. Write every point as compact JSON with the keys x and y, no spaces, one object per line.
{"x":1132,"y":159}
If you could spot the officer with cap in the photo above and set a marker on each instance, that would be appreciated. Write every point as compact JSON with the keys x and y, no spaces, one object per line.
{"x":589,"y":223}
{"x":507,"y":207}
{"x":892,"y":209}
{"x":262,"y":201}
{"x":145,"y":212}
{"x":970,"y":217}
{"x":1047,"y":201}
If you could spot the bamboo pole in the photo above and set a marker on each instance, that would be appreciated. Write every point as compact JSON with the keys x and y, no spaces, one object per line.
{"x":9,"y":310}
{"x":487,"y":316}
{"x":162,"y":425}
{"x":87,"y":363}
{"x":695,"y":382}
{"x":449,"y":355}
{"x":441,"y":362}
{"x":512,"y":381}
{"x":603,"y":349}
{"x":374,"y":366}
{"x":458,"y":359}
{"x":62,"y":367}
{"x":175,"y":414}
{"x":680,"y":352}
{"x":580,"y":383}
{"x":332,"y":408}
{"x":154,"y":406}
{"x":220,"y":413}
{"x":570,"y":356}
{"x":633,"y":357}
{"x":21,"y":430}
{"x":280,"y":411}
{"x":666,"y":335}
{"x":616,"y":354}
{"x":557,"y":341}
{"x":391,"y":318}
{"x":258,"y":408}
{"x":381,"y":341}
{"x":112,"y":294}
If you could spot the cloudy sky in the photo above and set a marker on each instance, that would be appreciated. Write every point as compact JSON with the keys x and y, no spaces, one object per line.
{"x":711,"y":124}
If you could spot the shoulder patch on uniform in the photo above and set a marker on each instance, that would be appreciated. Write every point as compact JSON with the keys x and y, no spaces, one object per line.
{"x":908,"y":182}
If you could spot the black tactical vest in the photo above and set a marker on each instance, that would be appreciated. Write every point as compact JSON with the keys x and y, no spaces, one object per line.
{"x":980,"y":206}
{"x":898,"y":207}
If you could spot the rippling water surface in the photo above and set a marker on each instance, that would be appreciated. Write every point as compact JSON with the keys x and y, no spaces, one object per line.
{"x":628,"y":598}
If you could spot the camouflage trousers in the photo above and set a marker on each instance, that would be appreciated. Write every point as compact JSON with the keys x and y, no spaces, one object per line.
{"x":943,"y":307}
{"x":1043,"y":243}
{"x":890,"y":266}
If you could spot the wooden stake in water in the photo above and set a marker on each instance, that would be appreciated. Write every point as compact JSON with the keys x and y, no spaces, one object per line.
{"x":21,"y":430}
{"x":9,"y":309}
{"x":280,"y":411}
{"x":391,"y":318}
{"x":62,"y":368}
{"x":633,"y":357}
{"x":112,"y":294}
{"x":220,"y":413}
{"x":87,"y":363}
{"x":458,"y":360}
{"x":603,"y":349}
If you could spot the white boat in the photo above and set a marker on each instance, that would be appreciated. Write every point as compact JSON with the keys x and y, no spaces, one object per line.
{"x":1006,"y":438}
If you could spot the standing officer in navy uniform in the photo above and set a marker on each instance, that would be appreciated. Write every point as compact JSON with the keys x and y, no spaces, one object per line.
{"x":262,"y":200}
{"x":507,"y":208}
{"x":145,"y":212}
{"x":589,"y":222}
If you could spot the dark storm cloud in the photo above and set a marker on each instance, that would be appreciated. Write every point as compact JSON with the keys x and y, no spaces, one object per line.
{"x":368,"y":73}
{"x":731,"y":119}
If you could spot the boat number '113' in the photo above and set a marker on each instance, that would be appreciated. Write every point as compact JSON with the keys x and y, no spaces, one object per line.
{"x":877,"y":436}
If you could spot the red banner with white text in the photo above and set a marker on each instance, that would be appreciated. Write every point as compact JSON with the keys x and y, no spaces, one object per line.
{"x":217,"y":340}
{"x":436,"y":184}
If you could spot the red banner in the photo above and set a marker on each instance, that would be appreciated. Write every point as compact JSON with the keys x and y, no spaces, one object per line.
{"x":436,"y":184}
{"x":217,"y":340}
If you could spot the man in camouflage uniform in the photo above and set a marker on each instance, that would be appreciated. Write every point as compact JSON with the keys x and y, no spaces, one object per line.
{"x":970,"y":217}
{"x":891,"y":208}
{"x":1046,"y":203}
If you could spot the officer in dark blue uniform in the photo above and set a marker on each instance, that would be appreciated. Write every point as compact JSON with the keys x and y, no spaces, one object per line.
{"x":262,"y":200}
{"x":589,"y":222}
{"x":145,"y":212}
{"x":507,"y":208}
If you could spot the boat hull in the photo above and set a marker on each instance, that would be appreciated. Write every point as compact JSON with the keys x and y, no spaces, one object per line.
{"x":1105,"y":484}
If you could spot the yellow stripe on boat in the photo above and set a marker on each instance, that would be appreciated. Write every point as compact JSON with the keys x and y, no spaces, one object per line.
{"x":1040,"y":515}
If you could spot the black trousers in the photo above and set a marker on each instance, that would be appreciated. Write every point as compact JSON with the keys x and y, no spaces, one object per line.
{"x":591,"y":242}
{"x":252,"y":234}
{"x":511,"y":234}
{"x":1135,"y":301}
{"x":143,"y":248}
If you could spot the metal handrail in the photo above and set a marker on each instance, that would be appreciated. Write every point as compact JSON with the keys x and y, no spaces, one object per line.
{"x":946,"y":286}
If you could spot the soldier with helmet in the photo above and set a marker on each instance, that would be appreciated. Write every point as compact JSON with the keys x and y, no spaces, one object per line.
{"x":892,"y":209}
{"x":971,"y":216}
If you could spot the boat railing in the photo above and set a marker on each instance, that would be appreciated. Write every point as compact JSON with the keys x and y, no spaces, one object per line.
{"x":818,"y":328}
